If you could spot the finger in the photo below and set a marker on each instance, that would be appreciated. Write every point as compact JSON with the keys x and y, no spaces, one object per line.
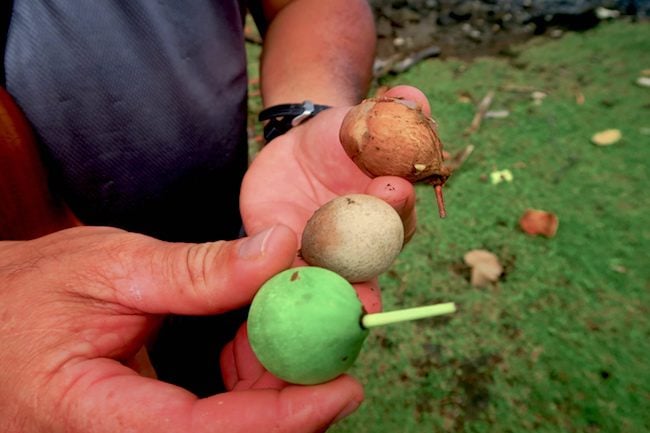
{"x":412,"y":94}
{"x":400,"y":194}
{"x":369,"y":294}
{"x":242,"y":368}
{"x":159,"y":277}
{"x":97,"y":390}
{"x":228,"y":366}
{"x":251,"y":373}
{"x":231,"y":378}
{"x":292,"y":409}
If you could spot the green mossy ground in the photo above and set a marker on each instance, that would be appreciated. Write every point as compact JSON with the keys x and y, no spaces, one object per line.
{"x":561,"y":343}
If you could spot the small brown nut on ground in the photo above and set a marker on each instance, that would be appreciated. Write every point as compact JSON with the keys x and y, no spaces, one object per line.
{"x":357,"y":236}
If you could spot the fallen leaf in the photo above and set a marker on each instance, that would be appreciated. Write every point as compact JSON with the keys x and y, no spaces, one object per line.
{"x":485,"y":267}
{"x":538,"y":97}
{"x":606,"y":137}
{"x":643,"y":81}
{"x":499,"y":176}
{"x":538,"y":222}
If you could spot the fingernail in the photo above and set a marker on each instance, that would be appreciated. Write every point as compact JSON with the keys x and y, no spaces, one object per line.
{"x":347,"y":410}
{"x":255,"y":245}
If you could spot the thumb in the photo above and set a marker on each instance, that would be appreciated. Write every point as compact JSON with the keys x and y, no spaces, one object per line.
{"x":207,"y":278}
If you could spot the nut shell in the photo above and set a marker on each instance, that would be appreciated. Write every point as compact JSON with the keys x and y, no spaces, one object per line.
{"x":393,"y":137}
{"x":304,"y":325}
{"x":358,"y":236}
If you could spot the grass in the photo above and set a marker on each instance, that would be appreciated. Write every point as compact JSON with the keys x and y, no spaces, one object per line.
{"x":561,"y":343}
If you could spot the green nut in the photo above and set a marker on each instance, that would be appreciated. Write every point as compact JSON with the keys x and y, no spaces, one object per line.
{"x":304,"y":325}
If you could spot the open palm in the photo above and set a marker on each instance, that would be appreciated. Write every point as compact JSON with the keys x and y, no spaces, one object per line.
{"x":300,"y":171}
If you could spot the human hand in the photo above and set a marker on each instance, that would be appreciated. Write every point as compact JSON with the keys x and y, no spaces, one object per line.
{"x":76,"y":306}
{"x":298,"y":172}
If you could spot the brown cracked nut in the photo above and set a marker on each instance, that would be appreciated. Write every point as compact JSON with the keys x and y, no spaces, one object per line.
{"x":393,"y":137}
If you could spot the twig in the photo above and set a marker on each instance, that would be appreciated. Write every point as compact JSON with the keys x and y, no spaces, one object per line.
{"x":459,"y":158}
{"x":399,"y":63}
{"x":518,"y":88}
{"x":416,"y":57}
{"x":482,"y":108}
{"x":383,"y":66}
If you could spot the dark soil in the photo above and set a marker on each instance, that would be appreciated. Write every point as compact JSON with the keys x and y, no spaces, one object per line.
{"x":410,"y":30}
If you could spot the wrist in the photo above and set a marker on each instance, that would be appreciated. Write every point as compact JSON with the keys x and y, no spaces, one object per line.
{"x":282,"y":117}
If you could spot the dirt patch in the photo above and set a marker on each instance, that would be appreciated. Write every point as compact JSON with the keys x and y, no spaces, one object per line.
{"x":470,"y":395}
{"x":410,"y":30}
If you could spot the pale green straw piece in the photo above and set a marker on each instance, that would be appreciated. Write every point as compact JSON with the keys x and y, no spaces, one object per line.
{"x":389,"y":317}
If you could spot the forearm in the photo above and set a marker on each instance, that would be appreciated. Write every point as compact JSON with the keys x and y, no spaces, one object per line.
{"x":317,"y":50}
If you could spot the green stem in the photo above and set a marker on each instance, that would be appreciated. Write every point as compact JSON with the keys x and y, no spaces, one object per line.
{"x":386,"y":318}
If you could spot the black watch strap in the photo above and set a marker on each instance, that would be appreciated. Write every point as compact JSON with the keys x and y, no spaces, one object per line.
{"x":282,"y":118}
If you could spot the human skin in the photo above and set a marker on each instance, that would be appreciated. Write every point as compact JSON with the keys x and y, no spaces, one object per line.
{"x":293,"y":176}
{"x":76,"y":305}
{"x":317,"y":50}
{"x":300,"y":171}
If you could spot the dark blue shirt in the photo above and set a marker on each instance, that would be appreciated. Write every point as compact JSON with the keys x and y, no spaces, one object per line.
{"x":140,"y":107}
